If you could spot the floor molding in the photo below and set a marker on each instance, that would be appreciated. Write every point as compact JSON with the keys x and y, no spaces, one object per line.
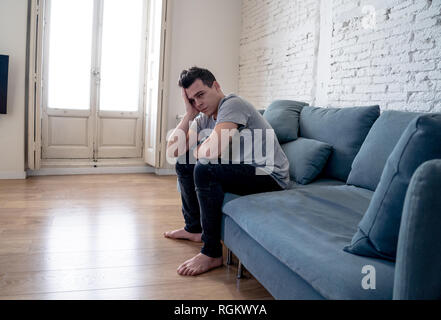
{"x":12,"y":175}
{"x":165,"y":172}
{"x":91,"y":170}
{"x":98,"y":170}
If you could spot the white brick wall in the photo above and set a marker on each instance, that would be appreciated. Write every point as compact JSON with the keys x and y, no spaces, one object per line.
{"x":396,"y":64}
{"x":277,"y":50}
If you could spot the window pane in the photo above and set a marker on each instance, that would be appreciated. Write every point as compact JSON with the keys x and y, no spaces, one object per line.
{"x":70,"y":50}
{"x":121,"y":55}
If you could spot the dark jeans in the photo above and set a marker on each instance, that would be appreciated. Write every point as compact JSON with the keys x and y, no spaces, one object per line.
{"x":202,"y":191}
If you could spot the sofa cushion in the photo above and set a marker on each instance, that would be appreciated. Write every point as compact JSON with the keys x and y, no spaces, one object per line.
{"x":377,"y":234}
{"x":283,"y":116}
{"x":380,"y":141}
{"x":343,"y":128}
{"x":229,"y":196}
{"x":306,"y":157}
{"x":305,"y":228}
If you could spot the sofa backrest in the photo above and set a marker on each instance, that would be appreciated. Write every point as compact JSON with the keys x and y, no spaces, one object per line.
{"x":283,"y":116}
{"x":344,"y":129}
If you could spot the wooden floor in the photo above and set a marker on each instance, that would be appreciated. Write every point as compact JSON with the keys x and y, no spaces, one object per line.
{"x":100,"y":237}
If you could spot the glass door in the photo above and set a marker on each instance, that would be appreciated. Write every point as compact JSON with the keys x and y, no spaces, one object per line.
{"x":68,"y":114}
{"x":121,"y":75}
{"x":93,"y":79}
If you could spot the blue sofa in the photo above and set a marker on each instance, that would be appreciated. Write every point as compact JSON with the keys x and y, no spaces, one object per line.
{"x":297,"y":242}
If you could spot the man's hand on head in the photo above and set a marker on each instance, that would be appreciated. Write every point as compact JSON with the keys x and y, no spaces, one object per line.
{"x":190,"y":110}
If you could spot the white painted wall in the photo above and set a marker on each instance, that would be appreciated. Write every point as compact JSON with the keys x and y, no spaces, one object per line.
{"x":13,"y":24}
{"x":205,"y":33}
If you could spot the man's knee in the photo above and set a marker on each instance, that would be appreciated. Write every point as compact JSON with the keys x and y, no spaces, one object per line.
{"x":203,"y":173}
{"x":184,"y":169}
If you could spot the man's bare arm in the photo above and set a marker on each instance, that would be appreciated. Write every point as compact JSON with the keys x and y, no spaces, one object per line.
{"x":179,"y":142}
{"x":213,"y":147}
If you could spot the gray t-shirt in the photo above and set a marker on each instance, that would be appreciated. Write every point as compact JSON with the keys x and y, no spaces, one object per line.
{"x":255,"y":144}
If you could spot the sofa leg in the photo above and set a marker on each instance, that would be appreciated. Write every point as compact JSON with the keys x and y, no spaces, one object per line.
{"x":239,"y":271}
{"x":229,"y":257}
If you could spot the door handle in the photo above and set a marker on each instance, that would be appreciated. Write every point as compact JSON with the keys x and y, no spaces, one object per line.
{"x":97,"y":75}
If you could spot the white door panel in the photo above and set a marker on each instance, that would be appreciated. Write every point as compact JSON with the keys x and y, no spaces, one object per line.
{"x":119,"y":135}
{"x":66,"y":133}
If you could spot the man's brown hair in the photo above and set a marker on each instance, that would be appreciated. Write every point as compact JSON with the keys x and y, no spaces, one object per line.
{"x":189,"y":76}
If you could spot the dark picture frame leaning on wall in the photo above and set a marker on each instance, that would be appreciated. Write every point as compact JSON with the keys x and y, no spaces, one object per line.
{"x":4,"y":66}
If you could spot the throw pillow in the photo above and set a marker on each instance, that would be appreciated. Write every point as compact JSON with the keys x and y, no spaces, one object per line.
{"x":377,"y":234}
{"x":343,"y":128}
{"x":380,"y":141}
{"x":283,"y":116}
{"x":306,"y":157}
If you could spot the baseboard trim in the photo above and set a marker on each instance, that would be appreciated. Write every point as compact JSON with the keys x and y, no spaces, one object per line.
{"x":165,"y":172}
{"x":98,"y":170}
{"x":12,"y":175}
{"x":91,"y":170}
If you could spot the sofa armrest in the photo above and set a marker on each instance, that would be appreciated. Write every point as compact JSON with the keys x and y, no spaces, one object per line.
{"x":418,"y":264}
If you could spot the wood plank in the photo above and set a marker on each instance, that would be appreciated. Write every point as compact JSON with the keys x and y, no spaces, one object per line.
{"x":220,"y":289}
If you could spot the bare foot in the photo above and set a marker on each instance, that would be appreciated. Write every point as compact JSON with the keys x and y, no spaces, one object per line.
{"x":183,"y":234}
{"x":199,"y":264}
